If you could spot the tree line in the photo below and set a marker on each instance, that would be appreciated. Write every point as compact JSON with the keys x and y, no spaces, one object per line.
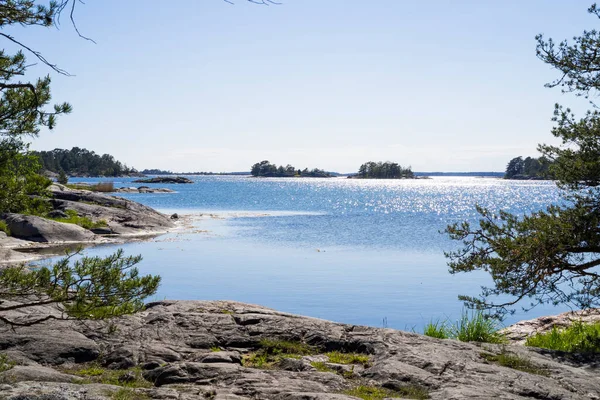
{"x":529,"y":168}
{"x":384,"y":170}
{"x":268,"y":170}
{"x":82,"y":162}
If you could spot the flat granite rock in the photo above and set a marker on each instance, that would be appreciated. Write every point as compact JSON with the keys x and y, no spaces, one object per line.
{"x":195,"y":350}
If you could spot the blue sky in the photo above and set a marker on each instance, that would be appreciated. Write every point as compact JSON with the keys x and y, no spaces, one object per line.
{"x":208,"y":86}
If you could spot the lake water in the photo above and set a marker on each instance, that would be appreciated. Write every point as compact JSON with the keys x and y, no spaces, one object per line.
{"x":364,"y":252}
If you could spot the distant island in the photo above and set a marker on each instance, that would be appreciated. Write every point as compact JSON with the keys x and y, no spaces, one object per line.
{"x":383,"y":170}
{"x":528,"y":169}
{"x":267,"y":170}
{"x":165,"y":179}
{"x":82,"y":162}
{"x":167,"y":172}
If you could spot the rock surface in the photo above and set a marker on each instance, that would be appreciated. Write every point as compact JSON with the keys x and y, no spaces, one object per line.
{"x":143,"y":189}
{"x":520,"y":331}
{"x":165,"y":179}
{"x":39,"y":229}
{"x":121,"y":215}
{"x":197,"y":350}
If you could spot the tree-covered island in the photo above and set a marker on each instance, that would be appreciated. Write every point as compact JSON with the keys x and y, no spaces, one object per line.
{"x":82,"y":162}
{"x":528,"y":168}
{"x":267,"y":170}
{"x":383,"y":170}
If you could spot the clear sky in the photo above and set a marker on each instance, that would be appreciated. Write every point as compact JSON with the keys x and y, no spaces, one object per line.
{"x":202,"y":85}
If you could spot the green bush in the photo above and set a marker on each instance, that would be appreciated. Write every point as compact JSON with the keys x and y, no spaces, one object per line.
{"x":4,"y":227}
{"x":577,"y":338}
{"x":437,"y":330}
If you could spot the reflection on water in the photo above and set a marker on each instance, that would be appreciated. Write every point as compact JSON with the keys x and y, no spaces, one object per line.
{"x":354,"y":251}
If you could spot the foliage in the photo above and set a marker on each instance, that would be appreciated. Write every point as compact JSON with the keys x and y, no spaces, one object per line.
{"x":386,"y":170}
{"x":87,"y":288}
{"x":128,"y":394}
{"x":577,"y":338}
{"x":378,"y":393}
{"x":337,"y":357}
{"x":82,"y":162}
{"x":268,"y":170}
{"x":5,"y":363}
{"x":63,"y":179}
{"x":21,"y":188}
{"x":4,"y":227}
{"x":514,"y":361}
{"x":550,"y":256}
{"x":84,"y":222}
{"x":474,"y":326}
{"x":530,"y":168}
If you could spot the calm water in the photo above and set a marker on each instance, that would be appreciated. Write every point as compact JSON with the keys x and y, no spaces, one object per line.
{"x":356,"y":251}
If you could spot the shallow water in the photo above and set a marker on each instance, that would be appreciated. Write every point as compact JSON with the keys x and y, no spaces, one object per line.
{"x":358,"y":251}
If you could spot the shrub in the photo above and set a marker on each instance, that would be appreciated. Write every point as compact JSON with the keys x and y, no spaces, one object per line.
{"x":84,"y":222}
{"x":4,"y":227}
{"x":577,"y":338}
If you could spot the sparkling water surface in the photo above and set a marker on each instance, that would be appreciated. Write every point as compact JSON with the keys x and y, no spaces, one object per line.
{"x":366,"y":252}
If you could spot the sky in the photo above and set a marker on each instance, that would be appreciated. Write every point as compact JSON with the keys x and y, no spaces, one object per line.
{"x":203,"y":85}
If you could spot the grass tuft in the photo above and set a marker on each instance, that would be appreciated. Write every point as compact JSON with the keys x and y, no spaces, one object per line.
{"x":94,"y":373}
{"x":437,"y":330}
{"x":577,"y":338}
{"x":471,"y":327}
{"x":515,"y":361}
{"x":377,"y":393}
{"x":84,"y":222}
{"x":321,"y":366}
{"x":337,"y":357}
{"x":127,"y":394}
{"x":5,"y":363}
{"x":273,"y":351}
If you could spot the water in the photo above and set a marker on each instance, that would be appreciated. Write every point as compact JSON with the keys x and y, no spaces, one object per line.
{"x":365,"y":252}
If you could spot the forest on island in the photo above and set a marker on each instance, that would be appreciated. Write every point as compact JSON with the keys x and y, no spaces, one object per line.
{"x":82,"y":162}
{"x":528,"y":168}
{"x":384,"y":170}
{"x":268,"y":170}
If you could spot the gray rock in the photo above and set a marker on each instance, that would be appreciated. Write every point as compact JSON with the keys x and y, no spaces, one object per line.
{"x":37,"y":373}
{"x":39,"y":229}
{"x":165,"y":179}
{"x":121,"y":215}
{"x":57,"y":214}
{"x":170,"y":341}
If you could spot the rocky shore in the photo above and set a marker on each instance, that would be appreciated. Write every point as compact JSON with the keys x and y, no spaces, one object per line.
{"x":116,"y":220}
{"x":228,"y":350}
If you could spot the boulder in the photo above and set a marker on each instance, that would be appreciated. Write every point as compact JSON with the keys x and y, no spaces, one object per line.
{"x":38,"y":229}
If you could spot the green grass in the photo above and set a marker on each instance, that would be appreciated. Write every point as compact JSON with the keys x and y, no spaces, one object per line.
{"x":93,"y":373}
{"x":5,"y":363}
{"x":270,"y":352}
{"x":84,"y":222}
{"x":321,"y":366}
{"x":437,"y":330}
{"x":4,"y":227}
{"x":577,"y":338}
{"x":515,"y":361}
{"x":128,"y":394}
{"x":377,"y":393}
{"x":471,"y":327}
{"x":337,"y":357}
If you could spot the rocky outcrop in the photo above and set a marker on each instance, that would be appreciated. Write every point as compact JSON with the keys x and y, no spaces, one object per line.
{"x":39,"y":229}
{"x":520,"y":331}
{"x":143,"y":189}
{"x":165,"y":179}
{"x":201,"y":349}
{"x":121,"y":215}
